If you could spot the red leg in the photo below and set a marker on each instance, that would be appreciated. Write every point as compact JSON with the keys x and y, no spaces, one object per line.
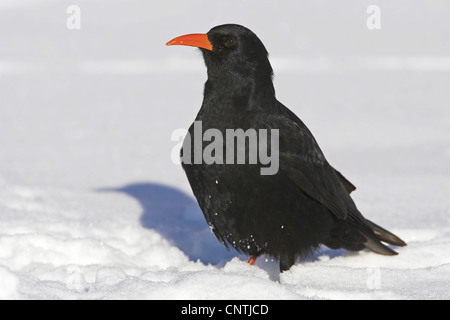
{"x":252,"y":260}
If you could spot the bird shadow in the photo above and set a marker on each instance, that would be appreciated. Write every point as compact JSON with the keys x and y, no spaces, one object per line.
{"x":178,"y":218}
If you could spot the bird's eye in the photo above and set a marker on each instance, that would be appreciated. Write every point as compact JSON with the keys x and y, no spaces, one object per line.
{"x":229,"y":42}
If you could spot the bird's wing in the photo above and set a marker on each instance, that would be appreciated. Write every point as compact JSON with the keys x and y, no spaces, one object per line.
{"x":303,"y":163}
{"x":350,"y":187}
{"x":321,"y":183}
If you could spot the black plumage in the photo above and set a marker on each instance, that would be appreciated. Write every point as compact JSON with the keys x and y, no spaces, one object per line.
{"x":291,"y":213}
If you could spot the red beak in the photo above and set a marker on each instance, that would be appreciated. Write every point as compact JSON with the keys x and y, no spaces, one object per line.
{"x":193,"y":40}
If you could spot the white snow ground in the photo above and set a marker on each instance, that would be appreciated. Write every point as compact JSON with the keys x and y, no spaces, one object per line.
{"x":91,"y":207}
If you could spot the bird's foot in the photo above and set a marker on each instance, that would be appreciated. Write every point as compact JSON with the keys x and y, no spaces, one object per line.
{"x":252,"y":260}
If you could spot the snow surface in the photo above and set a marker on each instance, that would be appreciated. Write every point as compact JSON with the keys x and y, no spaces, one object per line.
{"x":91,"y":207}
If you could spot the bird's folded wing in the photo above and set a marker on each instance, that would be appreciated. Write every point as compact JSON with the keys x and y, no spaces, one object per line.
{"x":302,"y":161}
{"x":317,"y":183}
{"x":322,"y":183}
{"x":350,"y":187}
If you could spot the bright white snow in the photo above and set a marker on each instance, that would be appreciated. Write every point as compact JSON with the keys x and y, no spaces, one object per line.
{"x":91,"y":206}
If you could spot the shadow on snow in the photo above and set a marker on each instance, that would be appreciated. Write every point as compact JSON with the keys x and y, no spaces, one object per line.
{"x":178,"y":218}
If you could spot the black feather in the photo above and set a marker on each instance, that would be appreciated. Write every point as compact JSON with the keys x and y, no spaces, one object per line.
{"x":286,"y":215}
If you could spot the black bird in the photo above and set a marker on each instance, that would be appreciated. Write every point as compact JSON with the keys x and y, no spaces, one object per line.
{"x":286,"y":215}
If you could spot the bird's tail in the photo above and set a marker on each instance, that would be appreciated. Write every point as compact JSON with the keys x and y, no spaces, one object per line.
{"x":373,"y":241}
{"x":355,"y":237}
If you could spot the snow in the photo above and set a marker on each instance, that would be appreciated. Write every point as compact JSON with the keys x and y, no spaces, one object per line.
{"x":92,"y":207}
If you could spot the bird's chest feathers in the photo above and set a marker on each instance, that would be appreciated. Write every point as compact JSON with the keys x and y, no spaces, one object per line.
{"x":227,"y":113}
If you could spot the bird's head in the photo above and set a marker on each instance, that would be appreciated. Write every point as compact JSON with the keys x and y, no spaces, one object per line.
{"x":230,"y":49}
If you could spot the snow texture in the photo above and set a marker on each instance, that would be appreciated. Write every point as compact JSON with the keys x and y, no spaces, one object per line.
{"x":91,"y":206}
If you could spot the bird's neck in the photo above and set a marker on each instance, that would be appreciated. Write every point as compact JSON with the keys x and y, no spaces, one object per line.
{"x":240,"y":91}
